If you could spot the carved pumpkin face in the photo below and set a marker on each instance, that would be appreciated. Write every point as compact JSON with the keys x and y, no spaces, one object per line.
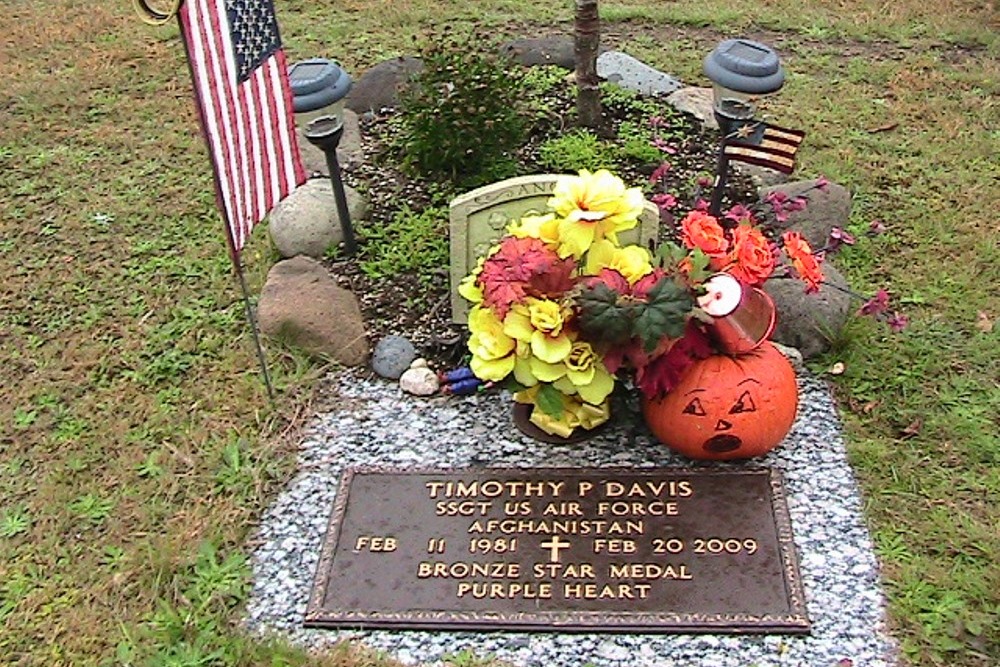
{"x":728,"y":407}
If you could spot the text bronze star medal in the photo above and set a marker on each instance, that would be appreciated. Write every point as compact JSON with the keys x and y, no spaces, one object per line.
{"x":561,"y":549}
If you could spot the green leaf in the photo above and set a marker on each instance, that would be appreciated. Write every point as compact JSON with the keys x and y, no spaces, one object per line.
{"x":665,"y":314}
{"x":670,"y":255}
{"x":549,"y":399}
{"x":699,"y":266}
{"x":603,"y":319}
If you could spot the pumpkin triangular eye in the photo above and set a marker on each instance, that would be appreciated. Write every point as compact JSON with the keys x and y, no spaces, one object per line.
{"x":744,"y":404}
{"x":694,"y":408}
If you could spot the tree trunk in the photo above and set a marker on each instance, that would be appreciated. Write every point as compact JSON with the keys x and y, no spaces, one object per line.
{"x":586,"y":42}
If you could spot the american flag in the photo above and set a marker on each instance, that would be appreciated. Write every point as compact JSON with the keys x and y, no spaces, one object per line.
{"x":245,"y":103}
{"x":765,"y":145}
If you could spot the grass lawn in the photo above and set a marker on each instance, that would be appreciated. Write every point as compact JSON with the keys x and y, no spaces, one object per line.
{"x":137,"y":446}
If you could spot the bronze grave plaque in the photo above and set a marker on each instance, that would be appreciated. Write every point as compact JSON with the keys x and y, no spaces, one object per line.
{"x":560,"y":549}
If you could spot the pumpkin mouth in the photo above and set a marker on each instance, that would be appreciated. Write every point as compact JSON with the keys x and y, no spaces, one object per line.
{"x":722,"y":443}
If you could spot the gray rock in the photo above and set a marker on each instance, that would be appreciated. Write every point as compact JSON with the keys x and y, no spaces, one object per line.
{"x":306,"y":222}
{"x":697,"y":102}
{"x":302,"y":304}
{"x":761,"y":176}
{"x":541,"y":51}
{"x":349,"y":152}
{"x":810,"y":322}
{"x":392,"y":356}
{"x":827,"y":208}
{"x":792,"y":354}
{"x":419,"y":382}
{"x":633,"y":74}
{"x":379,"y":86}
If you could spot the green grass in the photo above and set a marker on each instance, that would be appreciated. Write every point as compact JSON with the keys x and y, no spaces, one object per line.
{"x":137,"y":447}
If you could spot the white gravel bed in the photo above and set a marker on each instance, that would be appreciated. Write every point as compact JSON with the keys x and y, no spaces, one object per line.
{"x":375,"y":424}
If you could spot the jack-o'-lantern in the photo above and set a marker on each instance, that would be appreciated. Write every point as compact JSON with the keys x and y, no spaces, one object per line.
{"x":728,"y":407}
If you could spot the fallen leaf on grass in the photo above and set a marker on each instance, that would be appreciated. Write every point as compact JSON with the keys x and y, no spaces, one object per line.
{"x":983,"y":322}
{"x":913,"y":429}
{"x":868,"y":407}
{"x":883,"y":128}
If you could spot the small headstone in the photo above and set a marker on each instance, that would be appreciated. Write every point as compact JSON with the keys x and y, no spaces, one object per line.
{"x":478,"y":220}
{"x":810,"y":322}
{"x":306,"y":222}
{"x":303,"y":305}
{"x":379,"y":86}
{"x":633,"y":74}
{"x":827,"y":208}
{"x":392,"y":356}
{"x":697,"y":102}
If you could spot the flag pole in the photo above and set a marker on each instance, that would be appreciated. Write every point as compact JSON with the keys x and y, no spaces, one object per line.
{"x":234,"y":252}
{"x":721,"y":172}
{"x":252,"y":321}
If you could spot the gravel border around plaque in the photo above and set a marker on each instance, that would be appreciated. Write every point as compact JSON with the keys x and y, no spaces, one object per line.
{"x":377,"y":425}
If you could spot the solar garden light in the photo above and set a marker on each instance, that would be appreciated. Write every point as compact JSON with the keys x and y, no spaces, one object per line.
{"x":741,"y":72}
{"x":319,"y":87}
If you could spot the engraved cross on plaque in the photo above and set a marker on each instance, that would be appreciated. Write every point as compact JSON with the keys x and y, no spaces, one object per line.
{"x":555,"y":545}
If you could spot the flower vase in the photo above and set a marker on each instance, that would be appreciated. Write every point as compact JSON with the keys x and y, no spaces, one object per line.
{"x":521,"y":415}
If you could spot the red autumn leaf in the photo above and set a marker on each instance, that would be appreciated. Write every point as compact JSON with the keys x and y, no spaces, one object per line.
{"x":521,"y":268}
{"x":665,"y":371}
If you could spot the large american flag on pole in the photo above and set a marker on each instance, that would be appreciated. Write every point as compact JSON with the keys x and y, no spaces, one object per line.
{"x":245,"y":103}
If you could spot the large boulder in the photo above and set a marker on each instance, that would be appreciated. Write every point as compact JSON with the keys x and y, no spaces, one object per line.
{"x":695,"y":101}
{"x":379,"y":86}
{"x":349,"y":152}
{"x":541,"y":51}
{"x":810,"y":322}
{"x":631,"y":73}
{"x":307,"y":223}
{"x":303,"y":305}
{"x":828,"y":207}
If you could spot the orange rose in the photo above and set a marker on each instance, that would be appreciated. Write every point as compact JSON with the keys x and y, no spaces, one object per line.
{"x":701,"y":230}
{"x":805,"y":262}
{"x":750,"y":260}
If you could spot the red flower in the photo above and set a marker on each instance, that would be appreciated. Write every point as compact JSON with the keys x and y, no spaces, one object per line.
{"x":750,"y":260}
{"x":703,"y":231}
{"x":804,"y":261}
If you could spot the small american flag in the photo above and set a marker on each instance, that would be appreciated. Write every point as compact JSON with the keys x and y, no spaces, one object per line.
{"x":245,"y":103}
{"x":765,"y":145}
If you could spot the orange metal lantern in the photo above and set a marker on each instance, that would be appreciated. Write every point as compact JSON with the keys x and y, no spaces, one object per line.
{"x":728,"y":407}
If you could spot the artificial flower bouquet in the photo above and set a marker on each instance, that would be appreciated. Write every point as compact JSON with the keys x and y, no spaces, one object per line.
{"x":562,"y":309}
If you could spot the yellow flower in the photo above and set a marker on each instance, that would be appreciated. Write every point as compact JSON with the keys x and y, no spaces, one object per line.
{"x":492,"y":350}
{"x":585,"y":375}
{"x":582,"y":372}
{"x":469,"y":287}
{"x":539,"y":322}
{"x":575,"y":413}
{"x":593,"y":207}
{"x":632,"y":261}
{"x":542,"y":227}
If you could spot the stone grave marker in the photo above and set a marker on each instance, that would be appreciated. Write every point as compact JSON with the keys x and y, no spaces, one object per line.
{"x":478,"y":219}
{"x":616,"y":550}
